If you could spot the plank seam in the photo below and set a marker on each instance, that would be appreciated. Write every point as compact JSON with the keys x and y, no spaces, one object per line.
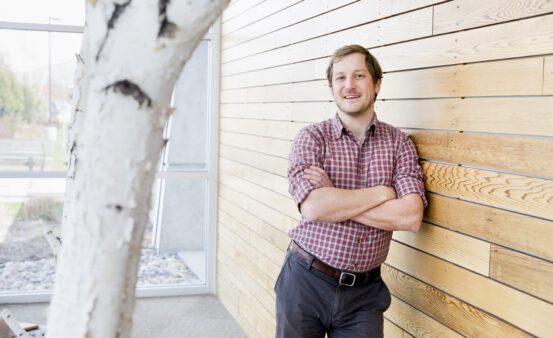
{"x":454,"y":297}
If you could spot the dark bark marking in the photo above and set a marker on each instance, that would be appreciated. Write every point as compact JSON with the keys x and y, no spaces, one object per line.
{"x":129,"y":88}
{"x":117,"y":11}
{"x":166,"y":27}
{"x":117,"y":207}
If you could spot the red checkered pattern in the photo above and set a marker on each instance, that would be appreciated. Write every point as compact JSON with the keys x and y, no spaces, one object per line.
{"x":387,"y":157}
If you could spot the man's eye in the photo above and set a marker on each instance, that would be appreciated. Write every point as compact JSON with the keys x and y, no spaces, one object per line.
{"x":339,"y":78}
{"x":359,"y":76}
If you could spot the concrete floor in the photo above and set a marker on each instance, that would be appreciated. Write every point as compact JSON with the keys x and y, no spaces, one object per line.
{"x":167,"y":317}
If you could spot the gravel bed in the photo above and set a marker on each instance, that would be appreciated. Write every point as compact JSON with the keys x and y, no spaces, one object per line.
{"x":38,"y":274}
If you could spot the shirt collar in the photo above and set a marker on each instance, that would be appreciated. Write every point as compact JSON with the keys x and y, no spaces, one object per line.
{"x":338,"y":128}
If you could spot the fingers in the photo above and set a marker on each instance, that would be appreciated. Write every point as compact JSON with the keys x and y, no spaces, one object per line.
{"x":317,"y":177}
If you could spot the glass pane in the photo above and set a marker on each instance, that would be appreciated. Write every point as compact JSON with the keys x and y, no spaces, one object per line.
{"x":188,"y":141}
{"x":36,"y":85}
{"x":28,"y":208}
{"x":59,"y":12}
{"x":178,"y":257}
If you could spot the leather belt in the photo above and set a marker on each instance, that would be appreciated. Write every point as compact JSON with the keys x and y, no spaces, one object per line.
{"x":340,"y":276}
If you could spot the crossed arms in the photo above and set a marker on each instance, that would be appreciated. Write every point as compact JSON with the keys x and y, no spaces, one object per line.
{"x":377,"y":206}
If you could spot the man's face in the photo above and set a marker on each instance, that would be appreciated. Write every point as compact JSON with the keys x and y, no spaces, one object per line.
{"x":353,"y":88}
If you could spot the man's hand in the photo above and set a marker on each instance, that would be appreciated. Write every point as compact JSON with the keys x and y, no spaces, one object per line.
{"x":318,"y":177}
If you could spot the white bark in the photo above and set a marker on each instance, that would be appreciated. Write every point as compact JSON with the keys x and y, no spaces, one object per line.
{"x":133,"y":52}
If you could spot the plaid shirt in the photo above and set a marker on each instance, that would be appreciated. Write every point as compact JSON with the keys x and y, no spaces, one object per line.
{"x":386,"y":157}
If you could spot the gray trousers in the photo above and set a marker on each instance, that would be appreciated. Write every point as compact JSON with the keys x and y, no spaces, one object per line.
{"x":312,"y":304}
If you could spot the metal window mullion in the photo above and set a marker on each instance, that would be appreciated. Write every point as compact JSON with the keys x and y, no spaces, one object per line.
{"x":44,"y":27}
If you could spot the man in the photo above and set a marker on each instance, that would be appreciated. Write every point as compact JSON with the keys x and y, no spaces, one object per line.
{"x":355,"y":180}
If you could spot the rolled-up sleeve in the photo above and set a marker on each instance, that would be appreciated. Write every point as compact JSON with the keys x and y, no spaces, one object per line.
{"x":306,"y":151}
{"x":408,"y":175}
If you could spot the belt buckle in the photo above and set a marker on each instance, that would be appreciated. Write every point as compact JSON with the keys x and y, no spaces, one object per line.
{"x":346,"y":275}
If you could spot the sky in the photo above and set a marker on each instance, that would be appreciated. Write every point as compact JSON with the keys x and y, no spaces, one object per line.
{"x":26,"y":51}
{"x":67,"y":12}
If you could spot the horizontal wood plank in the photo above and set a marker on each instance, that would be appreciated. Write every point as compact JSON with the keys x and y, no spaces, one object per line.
{"x":253,"y":206}
{"x":264,"y":145}
{"x":450,"y":311}
{"x":491,"y":115}
{"x":256,"y":13}
{"x":548,"y":76}
{"x":408,"y":26}
{"x":465,"y":14}
{"x":237,"y":8}
{"x":249,"y":307}
{"x":281,"y":111}
{"x":266,"y":231}
{"x":523,"y":38}
{"x":523,"y":272}
{"x":248,"y":278}
{"x":270,"y":253}
{"x":532,"y":196}
{"x":526,"y":312}
{"x":262,"y":178}
{"x":492,"y":224}
{"x":470,"y":253}
{"x":415,"y":322}
{"x":265,"y":32}
{"x":280,"y":203}
{"x":358,"y":13}
{"x":228,"y":295}
{"x":274,"y":129}
{"x":391,"y":330}
{"x":521,"y":155}
{"x":481,"y":79}
{"x":275,"y":165}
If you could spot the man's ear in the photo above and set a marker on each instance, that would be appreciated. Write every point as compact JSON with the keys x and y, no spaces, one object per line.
{"x":377,"y":86}
{"x":331,"y":91}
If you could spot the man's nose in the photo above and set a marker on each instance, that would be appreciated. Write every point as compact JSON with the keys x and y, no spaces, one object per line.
{"x":350,"y":82}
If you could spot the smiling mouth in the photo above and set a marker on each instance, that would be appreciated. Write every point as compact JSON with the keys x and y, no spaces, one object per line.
{"x":351,"y":97}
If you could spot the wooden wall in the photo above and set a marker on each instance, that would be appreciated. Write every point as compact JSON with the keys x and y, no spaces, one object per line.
{"x":472,"y":82}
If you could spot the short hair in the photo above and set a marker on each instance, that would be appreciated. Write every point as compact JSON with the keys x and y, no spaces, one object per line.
{"x":370,"y":61}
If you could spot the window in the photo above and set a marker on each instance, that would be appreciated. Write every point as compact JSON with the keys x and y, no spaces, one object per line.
{"x":37,"y":64}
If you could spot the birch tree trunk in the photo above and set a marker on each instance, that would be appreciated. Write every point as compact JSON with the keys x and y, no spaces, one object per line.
{"x":132,"y":52}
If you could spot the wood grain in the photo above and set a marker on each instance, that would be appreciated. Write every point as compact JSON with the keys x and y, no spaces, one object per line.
{"x":492,"y":224}
{"x":460,"y":249}
{"x":526,"y":312}
{"x":481,"y":79}
{"x":256,"y":13}
{"x":358,"y":13}
{"x":275,"y":165}
{"x":269,"y":146}
{"x":407,"y":26}
{"x":415,"y":322}
{"x":450,"y":311}
{"x":510,"y":115}
{"x":520,"y":155}
{"x":262,"y":229}
{"x":278,"y":202}
{"x":523,"y":272}
{"x":515,"y":39}
{"x":548,"y":77}
{"x":460,"y":15}
{"x":267,"y":180}
{"x":531,"y":196}
{"x":266,"y":33}
{"x":253,"y":206}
